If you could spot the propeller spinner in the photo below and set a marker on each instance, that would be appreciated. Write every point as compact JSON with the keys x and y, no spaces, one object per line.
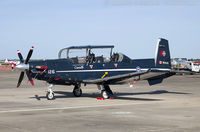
{"x":24,"y":67}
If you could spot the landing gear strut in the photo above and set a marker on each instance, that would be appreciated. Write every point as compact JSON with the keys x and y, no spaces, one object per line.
{"x":106,"y":92}
{"x":50,"y":93}
{"x":77,"y":90}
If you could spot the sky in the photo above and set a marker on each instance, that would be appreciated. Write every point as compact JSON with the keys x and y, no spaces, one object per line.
{"x":133,"y":26}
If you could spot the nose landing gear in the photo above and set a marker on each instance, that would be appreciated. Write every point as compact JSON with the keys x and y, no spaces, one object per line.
{"x":50,"y":93}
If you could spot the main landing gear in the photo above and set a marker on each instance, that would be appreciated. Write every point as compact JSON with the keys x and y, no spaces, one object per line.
{"x":106,"y":92}
{"x":77,"y":90}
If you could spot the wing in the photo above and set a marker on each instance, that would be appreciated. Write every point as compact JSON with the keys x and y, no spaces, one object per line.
{"x":117,"y":78}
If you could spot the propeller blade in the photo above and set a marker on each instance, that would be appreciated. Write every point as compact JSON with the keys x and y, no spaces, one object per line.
{"x":29,"y":77}
{"x":29,"y":55}
{"x":20,"y":78}
{"x":20,"y":56}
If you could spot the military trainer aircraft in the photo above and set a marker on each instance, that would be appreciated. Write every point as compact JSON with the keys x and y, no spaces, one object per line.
{"x":91,"y":69}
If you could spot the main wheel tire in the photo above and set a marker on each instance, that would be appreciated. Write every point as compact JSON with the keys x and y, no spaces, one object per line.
{"x":50,"y":96}
{"x":105,"y":94}
{"x":77,"y":92}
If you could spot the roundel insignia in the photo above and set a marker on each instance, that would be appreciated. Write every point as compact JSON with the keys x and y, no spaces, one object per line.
{"x":163,"y":53}
{"x":138,"y":69}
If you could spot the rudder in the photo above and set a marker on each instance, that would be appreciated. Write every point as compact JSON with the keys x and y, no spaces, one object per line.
{"x":162,"y":56}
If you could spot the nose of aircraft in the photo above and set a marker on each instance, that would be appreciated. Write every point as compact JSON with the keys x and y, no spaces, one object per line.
{"x":22,"y":66}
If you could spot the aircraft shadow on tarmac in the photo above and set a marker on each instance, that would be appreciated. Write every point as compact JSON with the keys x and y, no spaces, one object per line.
{"x":62,"y":94}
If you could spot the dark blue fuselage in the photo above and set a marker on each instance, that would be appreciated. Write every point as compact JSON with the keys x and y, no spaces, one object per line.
{"x":64,"y":71}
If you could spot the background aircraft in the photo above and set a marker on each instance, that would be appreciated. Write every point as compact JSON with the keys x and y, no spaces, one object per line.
{"x":184,"y":64}
{"x":11,"y":63}
{"x":93,"y":69}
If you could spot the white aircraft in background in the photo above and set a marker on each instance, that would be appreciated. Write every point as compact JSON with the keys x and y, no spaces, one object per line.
{"x":11,"y":63}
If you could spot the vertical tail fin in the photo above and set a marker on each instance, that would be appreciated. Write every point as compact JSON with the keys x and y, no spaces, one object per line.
{"x":6,"y":60}
{"x":162,"y":56}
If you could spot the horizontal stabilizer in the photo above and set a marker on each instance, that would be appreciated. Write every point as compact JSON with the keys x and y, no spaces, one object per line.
{"x":158,"y":79}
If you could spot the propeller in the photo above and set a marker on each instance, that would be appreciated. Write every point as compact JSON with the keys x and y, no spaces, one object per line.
{"x":24,"y":67}
{"x":29,"y":55}
{"x":20,"y":56}
{"x":20,"y":78}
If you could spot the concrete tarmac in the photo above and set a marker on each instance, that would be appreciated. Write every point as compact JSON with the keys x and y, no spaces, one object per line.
{"x":173,"y":106}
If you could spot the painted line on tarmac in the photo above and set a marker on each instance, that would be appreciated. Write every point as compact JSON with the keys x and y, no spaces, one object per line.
{"x":62,"y":108}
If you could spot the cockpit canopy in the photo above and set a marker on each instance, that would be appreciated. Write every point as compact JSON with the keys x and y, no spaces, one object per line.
{"x":92,"y":54}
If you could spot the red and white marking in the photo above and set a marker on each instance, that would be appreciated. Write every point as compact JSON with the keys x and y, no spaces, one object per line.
{"x":91,"y":66}
{"x":163,"y":53}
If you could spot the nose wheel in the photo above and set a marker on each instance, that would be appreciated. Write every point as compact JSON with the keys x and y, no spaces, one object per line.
{"x":50,"y":93}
